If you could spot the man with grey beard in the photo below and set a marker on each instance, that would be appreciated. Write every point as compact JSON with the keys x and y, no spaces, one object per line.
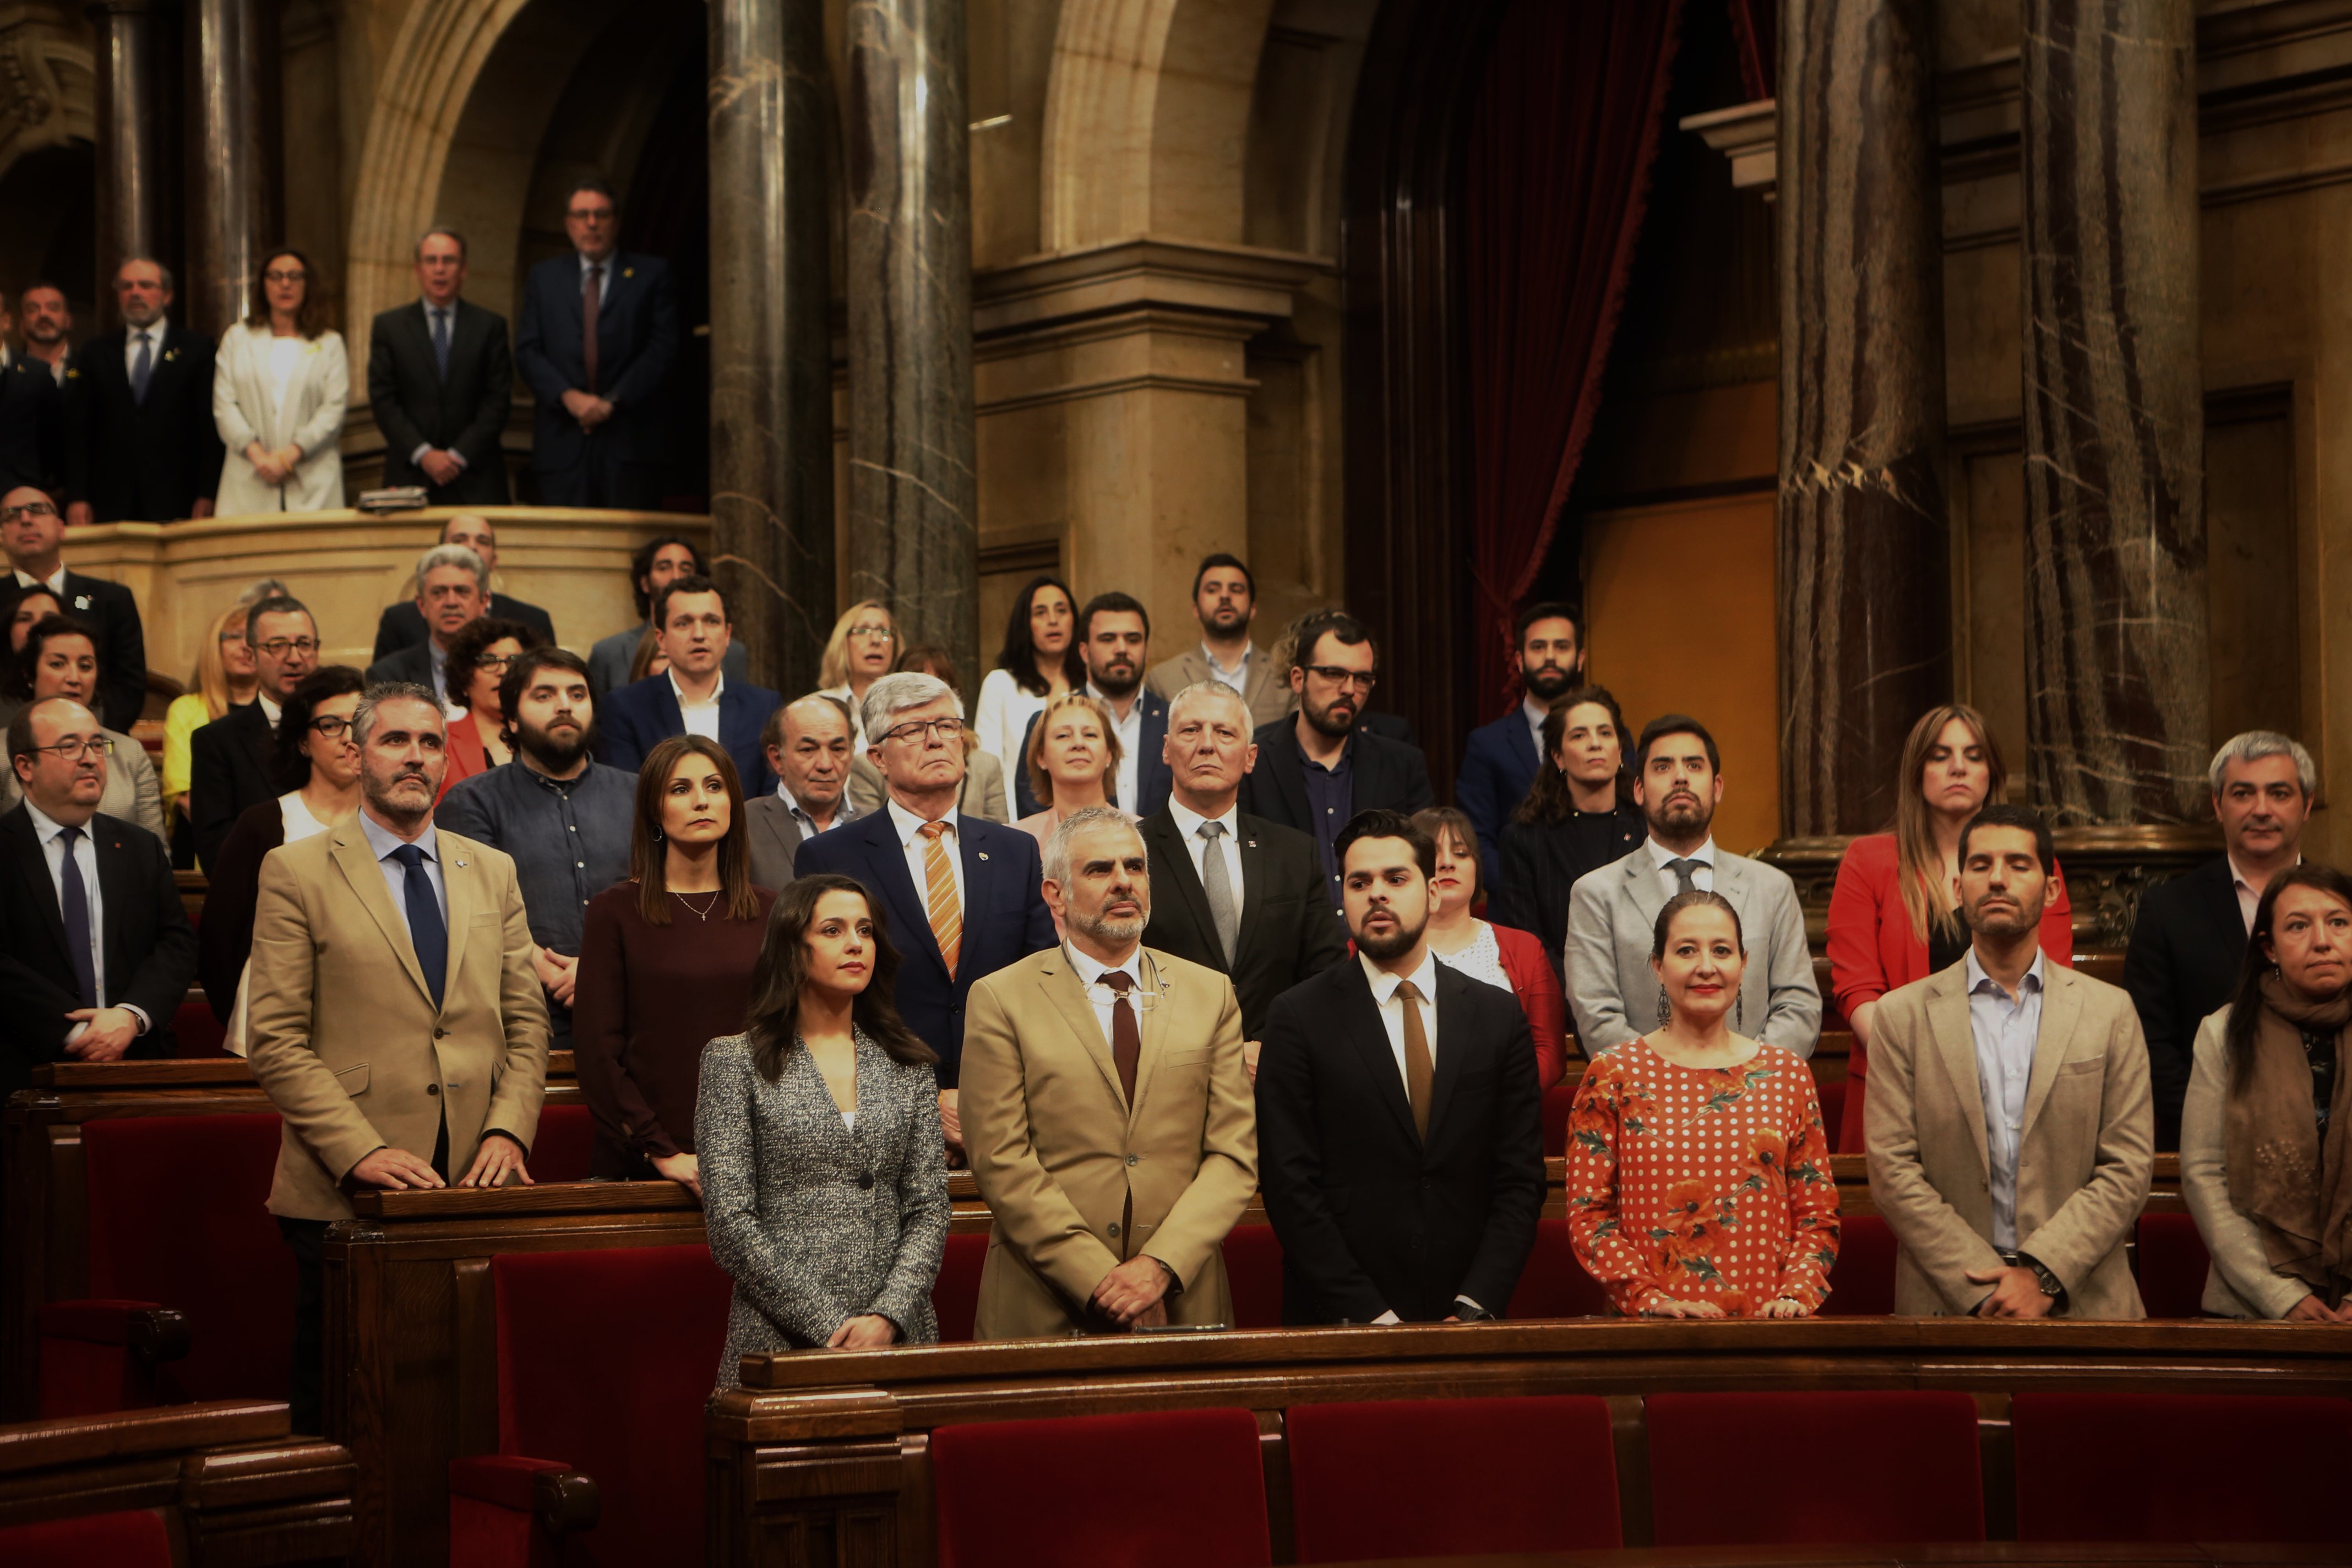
{"x":1106,"y":1111}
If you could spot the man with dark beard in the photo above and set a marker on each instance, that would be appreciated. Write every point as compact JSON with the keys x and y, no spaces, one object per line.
{"x":1224,"y":601}
{"x":1500,"y":761}
{"x":1613,"y":990}
{"x":1114,"y":632}
{"x":1320,"y":768}
{"x":1400,"y":1126}
{"x":564,"y":819}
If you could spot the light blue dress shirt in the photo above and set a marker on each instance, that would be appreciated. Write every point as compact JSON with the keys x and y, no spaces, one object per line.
{"x":383,"y":841}
{"x":2006,"y":1028}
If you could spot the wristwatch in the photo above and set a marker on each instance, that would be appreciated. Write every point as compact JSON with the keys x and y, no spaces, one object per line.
{"x":2049,"y":1283}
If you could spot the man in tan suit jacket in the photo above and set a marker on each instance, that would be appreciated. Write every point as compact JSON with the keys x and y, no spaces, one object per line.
{"x":1106,"y":1111}
{"x":1224,"y":601}
{"x":390,"y":1070}
{"x":2011,"y":1135}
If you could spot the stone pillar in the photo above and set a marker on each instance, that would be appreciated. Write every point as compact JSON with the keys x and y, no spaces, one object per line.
{"x":1864,"y":548}
{"x":234,"y":159}
{"x":914,"y":541}
{"x":772,"y":514}
{"x":2116,"y":680}
{"x":130,"y":174}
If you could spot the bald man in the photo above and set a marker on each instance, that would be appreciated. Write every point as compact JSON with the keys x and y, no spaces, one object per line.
{"x":810,"y":751}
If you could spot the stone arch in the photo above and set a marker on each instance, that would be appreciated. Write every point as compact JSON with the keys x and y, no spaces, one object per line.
{"x":48,"y":92}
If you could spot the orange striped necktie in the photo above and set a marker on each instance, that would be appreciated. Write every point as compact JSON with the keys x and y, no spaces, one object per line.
{"x":940,"y":894}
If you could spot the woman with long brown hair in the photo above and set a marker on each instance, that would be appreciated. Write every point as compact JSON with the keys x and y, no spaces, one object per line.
{"x":1040,"y":659}
{"x":1578,"y":818}
{"x":1894,"y":914}
{"x":2266,"y":1133}
{"x":819,"y":1126}
{"x":665,"y":962}
{"x":279,"y":384}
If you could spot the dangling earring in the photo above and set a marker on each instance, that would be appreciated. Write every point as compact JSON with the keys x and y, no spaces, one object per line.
{"x":1666,"y":1008}
{"x":1739,"y":1011}
{"x":657,"y":834}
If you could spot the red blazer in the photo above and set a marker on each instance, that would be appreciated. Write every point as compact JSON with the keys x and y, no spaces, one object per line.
{"x":466,"y":755}
{"x":1537,"y":989}
{"x":1873,"y":949}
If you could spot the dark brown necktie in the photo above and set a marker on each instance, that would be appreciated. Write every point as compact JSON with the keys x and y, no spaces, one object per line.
{"x":1418,"y":1069}
{"x":1126,"y":1040}
{"x":592,"y":300}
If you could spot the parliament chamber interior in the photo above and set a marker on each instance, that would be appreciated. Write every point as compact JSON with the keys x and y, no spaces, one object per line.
{"x":1753,"y":377}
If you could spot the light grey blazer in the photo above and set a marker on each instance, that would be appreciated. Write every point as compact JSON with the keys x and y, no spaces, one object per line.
{"x":1615,"y":995}
{"x":775,"y":839}
{"x":2239,"y":1281}
{"x":245,"y":410}
{"x":818,"y":1223}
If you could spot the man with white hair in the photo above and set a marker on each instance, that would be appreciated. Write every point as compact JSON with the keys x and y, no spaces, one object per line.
{"x":453,"y":587}
{"x":962,"y":894}
{"x":1106,"y":1112}
{"x":2191,"y":934}
{"x":403,"y":625}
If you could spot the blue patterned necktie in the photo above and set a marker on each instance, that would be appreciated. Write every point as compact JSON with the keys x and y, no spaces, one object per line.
{"x":74,"y":904}
{"x":142,"y":367}
{"x":426,"y":931}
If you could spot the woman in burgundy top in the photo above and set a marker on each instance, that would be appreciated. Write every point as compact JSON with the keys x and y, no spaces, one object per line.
{"x":666,"y":963}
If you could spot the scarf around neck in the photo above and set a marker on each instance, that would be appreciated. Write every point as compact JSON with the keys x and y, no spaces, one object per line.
{"x":2295,"y":1189}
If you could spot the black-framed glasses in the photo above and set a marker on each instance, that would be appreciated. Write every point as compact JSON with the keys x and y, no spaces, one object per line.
{"x":330,"y":728}
{"x":278,"y":647}
{"x":1361,"y":679}
{"x":495,"y":660}
{"x":916,"y":733}
{"x":73,"y":750}
{"x":28,"y":509}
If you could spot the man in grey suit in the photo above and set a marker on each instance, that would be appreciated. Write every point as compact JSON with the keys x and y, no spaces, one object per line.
{"x":1612,"y":989}
{"x":809,"y":751}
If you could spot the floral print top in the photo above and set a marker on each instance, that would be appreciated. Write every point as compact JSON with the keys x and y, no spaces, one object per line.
{"x":1701,"y":1185}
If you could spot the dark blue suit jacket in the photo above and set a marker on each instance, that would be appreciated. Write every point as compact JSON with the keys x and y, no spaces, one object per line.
{"x":637,"y":339}
{"x":632,"y":720}
{"x":1005,"y":915}
{"x":1498,"y":768}
{"x":1154,"y":779}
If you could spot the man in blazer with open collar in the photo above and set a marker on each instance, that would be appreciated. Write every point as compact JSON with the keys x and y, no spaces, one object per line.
{"x":635,"y":719}
{"x":2010,"y":1130}
{"x":1113,"y":1178}
{"x":1284,"y":929}
{"x":1396,"y":1201}
{"x":598,"y":436}
{"x":430,"y":417}
{"x":1500,"y":760}
{"x":1612,"y":912}
{"x":148,"y":456}
{"x":1224,"y":601}
{"x":147,"y":951}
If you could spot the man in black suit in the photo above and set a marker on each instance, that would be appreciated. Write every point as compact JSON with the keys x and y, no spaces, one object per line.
{"x":2190,"y":936}
{"x":33,"y":535}
{"x":453,"y":587}
{"x":48,"y":329}
{"x":232,"y":760}
{"x":96,"y":952}
{"x":1114,"y":637}
{"x":1399,"y":1125}
{"x":600,"y":331}
{"x":140,"y":438}
{"x":1237,"y":893}
{"x":403,"y":625}
{"x":1318,"y":768}
{"x":32,"y":417}
{"x":441,"y":380}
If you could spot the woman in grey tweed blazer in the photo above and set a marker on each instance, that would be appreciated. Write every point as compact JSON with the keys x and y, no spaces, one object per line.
{"x":823,"y":1170}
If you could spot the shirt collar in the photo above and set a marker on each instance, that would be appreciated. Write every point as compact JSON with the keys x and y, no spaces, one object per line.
{"x":909,"y":824}
{"x":54,"y":582}
{"x":2238,"y":878}
{"x":1978,"y":979}
{"x":842,"y":810}
{"x":1384,"y":984}
{"x":430,"y":308}
{"x":270,"y":707}
{"x":1536,"y":712}
{"x":585,"y":261}
{"x":383,"y":841}
{"x":1704,"y":854}
{"x":1090,"y":970}
{"x":45,"y":827}
{"x":1134,"y":707}
{"x":1347,"y":747}
{"x":155,"y":331}
{"x":1249,"y":652}
{"x":1188,"y":821}
{"x":717,"y":691}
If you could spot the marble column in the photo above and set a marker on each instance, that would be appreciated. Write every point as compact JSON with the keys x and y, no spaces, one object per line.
{"x":772,"y":509}
{"x":235,"y":159}
{"x":1863,"y":547}
{"x":914,"y":539}
{"x":2116,"y":680}
{"x":130,"y":172}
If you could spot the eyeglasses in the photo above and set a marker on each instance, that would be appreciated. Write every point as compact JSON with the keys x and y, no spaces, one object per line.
{"x":280,"y":275}
{"x":30,"y":508}
{"x":1343,"y":678}
{"x":228,"y":638}
{"x":332,"y":727}
{"x":495,"y":660}
{"x":75,"y":750}
{"x":916,"y":733}
{"x":874,"y":634}
{"x":278,"y":647}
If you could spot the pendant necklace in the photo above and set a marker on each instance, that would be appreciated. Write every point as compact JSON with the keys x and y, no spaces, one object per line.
{"x":704,"y":913}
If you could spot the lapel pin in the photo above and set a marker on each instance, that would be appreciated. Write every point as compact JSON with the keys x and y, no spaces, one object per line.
{"x":984,"y":854}
{"x":81,"y":601}
{"x":461,"y":865}
{"x":628,"y":272}
{"x":170,"y":354}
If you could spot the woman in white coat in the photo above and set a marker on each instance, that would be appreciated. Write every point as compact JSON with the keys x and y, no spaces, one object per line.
{"x":280,"y":385}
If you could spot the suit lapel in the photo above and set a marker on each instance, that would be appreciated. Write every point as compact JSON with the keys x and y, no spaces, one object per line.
{"x":1523,"y":744}
{"x":2229,"y":921}
{"x":1289,"y":778}
{"x":365,"y":879}
{"x":117,"y":896}
{"x":459,"y":869}
{"x":1152,"y":1024}
{"x":1452,"y":1005}
{"x":1368,"y":1033}
{"x":2062,"y":1006}
{"x":33,"y":865}
{"x":1950,"y":1027}
{"x":1059,"y":982}
{"x":1163,"y":832}
{"x":1253,"y":876}
{"x":887,"y":865}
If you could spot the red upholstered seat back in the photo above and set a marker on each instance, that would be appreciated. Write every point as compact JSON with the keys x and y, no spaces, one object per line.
{"x":1173,"y":1489}
{"x":1832,"y":1093}
{"x":1554,"y":1283}
{"x":179,"y":1215}
{"x":1558,"y":1101}
{"x":1863,"y":1283}
{"x":1254,"y":1269}
{"x":1427,"y":1477}
{"x":195,"y":1032}
{"x":955,"y":1294}
{"x":559,"y":1151}
{"x":606,"y":1360}
{"x":2181,"y":1467}
{"x":132,"y":1539}
{"x":2172,"y":1266}
{"x":1813,"y":1468}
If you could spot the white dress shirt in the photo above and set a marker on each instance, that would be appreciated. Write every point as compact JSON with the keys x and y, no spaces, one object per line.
{"x":1702,"y":875}
{"x":700,"y":718}
{"x":269,"y":707}
{"x":54,"y":582}
{"x":1129,"y":732}
{"x":1102,"y":998}
{"x":154,"y":331}
{"x":383,"y":841}
{"x":911,"y":841}
{"x":50,"y":833}
{"x":1391,"y":1010}
{"x":1188,"y":822}
{"x":2006,"y":1030}
{"x":1238,"y":677}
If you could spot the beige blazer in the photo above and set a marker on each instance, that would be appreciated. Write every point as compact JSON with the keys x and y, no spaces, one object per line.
{"x":2085,"y":1159}
{"x":1060,"y":1156}
{"x":2239,"y":1281}
{"x":1265,"y":689}
{"x":345,"y":1039}
{"x":983,"y":793}
{"x":245,"y":409}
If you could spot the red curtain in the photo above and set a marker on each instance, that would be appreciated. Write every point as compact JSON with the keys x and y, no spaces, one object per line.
{"x":1755,"y":31}
{"x":1561,"y":141}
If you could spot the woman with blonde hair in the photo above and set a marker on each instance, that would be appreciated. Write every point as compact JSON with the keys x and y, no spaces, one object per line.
{"x":1074,"y":755}
{"x":1894,"y":915}
{"x":280,"y":383}
{"x":225,"y":677}
{"x":863,"y":649}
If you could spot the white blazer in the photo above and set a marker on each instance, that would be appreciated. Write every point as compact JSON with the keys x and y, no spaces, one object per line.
{"x":245,"y":408}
